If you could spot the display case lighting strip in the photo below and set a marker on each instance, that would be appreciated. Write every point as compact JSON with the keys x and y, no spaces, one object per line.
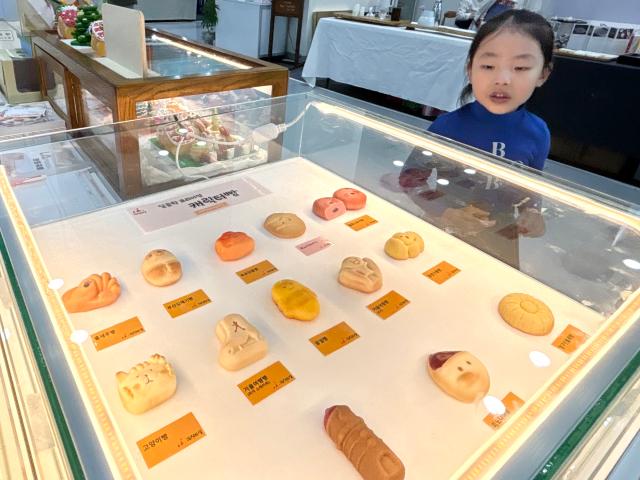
{"x":510,"y":174}
{"x":204,"y":53}
{"x":109,"y":437}
{"x":511,"y":436}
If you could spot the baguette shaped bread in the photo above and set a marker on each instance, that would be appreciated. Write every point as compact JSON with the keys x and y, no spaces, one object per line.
{"x":371,"y":457}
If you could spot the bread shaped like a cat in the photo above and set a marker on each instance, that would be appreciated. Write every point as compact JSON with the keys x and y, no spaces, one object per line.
{"x":146,"y":385}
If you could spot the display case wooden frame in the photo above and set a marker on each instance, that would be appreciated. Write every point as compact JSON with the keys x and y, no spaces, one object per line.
{"x":120,"y":94}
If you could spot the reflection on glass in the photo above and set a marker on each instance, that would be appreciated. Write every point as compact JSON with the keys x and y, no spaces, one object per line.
{"x":168,"y":58}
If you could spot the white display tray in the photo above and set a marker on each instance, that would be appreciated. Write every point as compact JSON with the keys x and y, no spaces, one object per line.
{"x":381,"y":376}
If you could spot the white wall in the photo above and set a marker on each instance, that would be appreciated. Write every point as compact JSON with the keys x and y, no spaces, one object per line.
{"x":623,"y":11}
{"x":311,"y":6}
{"x":8,"y":10}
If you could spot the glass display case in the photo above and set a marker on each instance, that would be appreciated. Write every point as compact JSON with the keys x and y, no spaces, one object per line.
{"x":176,"y":67}
{"x":468,"y":309}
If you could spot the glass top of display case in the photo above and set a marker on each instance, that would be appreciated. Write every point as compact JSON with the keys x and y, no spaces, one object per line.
{"x":168,"y":58}
{"x":534,"y":277}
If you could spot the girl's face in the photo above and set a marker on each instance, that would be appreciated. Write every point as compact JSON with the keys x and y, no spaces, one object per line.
{"x":505,"y":70}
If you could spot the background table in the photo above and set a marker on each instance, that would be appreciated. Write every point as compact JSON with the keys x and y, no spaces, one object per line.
{"x":426,"y":68}
{"x":591,"y":109}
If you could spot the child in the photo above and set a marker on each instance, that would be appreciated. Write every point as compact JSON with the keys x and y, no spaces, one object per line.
{"x":509,"y":57}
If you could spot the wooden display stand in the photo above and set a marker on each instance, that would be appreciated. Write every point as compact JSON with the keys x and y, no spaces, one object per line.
{"x":289,"y":9}
{"x":66,"y":73}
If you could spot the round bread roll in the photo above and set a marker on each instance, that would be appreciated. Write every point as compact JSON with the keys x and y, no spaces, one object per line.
{"x":284,"y":225}
{"x":404,"y":245}
{"x":234,"y":245}
{"x":526,"y":313}
{"x":161,"y":268}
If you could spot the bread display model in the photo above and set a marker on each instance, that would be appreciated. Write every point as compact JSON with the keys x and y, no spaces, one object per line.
{"x":526,"y":313}
{"x":225,"y":152}
{"x":93,"y":292}
{"x":241,"y":344}
{"x":353,"y":199}
{"x":360,"y":274}
{"x":370,"y":456}
{"x":284,"y":225}
{"x":295,"y":300}
{"x":328,"y":208}
{"x":203,"y":152}
{"x":66,"y":21}
{"x":161,"y":268}
{"x":459,"y":374}
{"x":146,"y":385}
{"x":170,"y":136}
{"x":206,"y":149}
{"x":234,"y":245}
{"x":404,"y":245}
{"x":96,"y":29}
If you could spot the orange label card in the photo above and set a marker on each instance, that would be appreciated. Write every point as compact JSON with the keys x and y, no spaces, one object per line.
{"x":512,"y":403}
{"x":185,"y":304}
{"x":570,"y":339}
{"x":441,"y":272}
{"x":265,"y":382}
{"x":335,"y":338}
{"x":361,"y":222}
{"x":257,"y":271}
{"x":117,"y":333}
{"x":388,"y":305}
{"x":169,"y":440}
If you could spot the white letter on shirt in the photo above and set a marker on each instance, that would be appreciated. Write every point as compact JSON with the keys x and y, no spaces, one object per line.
{"x":498,"y":148}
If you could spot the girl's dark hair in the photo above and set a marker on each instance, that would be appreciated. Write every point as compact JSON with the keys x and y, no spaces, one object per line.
{"x":522,"y":21}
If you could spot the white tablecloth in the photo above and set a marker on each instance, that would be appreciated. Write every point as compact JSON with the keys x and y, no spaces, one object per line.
{"x":422,"y":67}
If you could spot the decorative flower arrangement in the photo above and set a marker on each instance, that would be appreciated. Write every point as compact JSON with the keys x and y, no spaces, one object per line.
{"x":66,"y":17}
{"x":96,"y":29}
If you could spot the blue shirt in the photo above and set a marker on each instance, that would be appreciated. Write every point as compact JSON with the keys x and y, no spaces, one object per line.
{"x":520,"y":136}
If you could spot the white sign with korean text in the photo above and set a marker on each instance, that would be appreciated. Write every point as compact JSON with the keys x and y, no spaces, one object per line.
{"x":153,"y":216}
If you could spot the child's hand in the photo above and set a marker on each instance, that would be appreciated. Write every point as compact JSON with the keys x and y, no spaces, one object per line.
{"x":531,"y":223}
{"x":468,"y":220}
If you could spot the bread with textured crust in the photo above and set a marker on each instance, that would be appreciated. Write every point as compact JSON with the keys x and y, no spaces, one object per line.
{"x":161,"y":268}
{"x":360,"y":274}
{"x":146,"y":385}
{"x":234,"y":246}
{"x":93,"y":292}
{"x":526,"y":313}
{"x":284,"y":225}
{"x":370,"y":456}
